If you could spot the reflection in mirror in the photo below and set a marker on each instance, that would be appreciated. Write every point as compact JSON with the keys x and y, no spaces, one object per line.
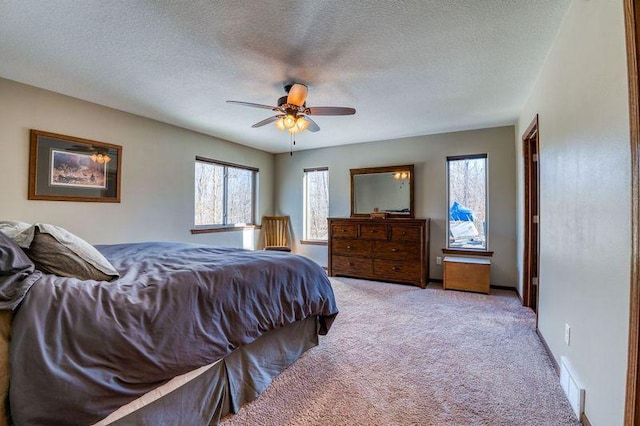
{"x":392,"y":185}
{"x":382,"y":189}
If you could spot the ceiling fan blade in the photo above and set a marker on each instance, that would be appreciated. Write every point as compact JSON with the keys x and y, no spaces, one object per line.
{"x":267,"y":121}
{"x":249,"y":104}
{"x":330,"y":111}
{"x":297,"y":94}
{"x":313,"y":126}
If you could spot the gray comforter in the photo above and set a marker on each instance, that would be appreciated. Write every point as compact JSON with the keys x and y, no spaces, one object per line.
{"x":81,"y":349}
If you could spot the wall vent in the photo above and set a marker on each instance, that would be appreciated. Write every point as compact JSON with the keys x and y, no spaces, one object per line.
{"x":571,"y":386}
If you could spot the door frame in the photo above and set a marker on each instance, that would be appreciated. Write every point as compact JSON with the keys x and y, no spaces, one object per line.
{"x":531,"y":144}
{"x":632,"y":400}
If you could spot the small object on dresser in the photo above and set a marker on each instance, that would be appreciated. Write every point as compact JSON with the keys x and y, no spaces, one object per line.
{"x":376,"y":214}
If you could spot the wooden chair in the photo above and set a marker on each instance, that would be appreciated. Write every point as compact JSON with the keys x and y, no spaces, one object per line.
{"x":276,"y":233}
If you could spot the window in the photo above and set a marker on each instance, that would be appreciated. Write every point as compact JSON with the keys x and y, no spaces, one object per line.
{"x":316,"y":203}
{"x":467,"y":201}
{"x":225,"y":194}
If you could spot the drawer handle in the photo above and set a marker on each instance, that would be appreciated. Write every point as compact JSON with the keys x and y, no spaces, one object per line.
{"x":351,"y":264}
{"x":349,"y":247}
{"x":404,"y":232}
{"x":372,"y":231}
{"x":395,"y":268}
{"x":344,"y":230}
{"x":394,"y":250}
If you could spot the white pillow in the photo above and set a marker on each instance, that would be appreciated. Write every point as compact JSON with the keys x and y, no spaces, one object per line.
{"x":11,"y":228}
{"x":77,"y":245}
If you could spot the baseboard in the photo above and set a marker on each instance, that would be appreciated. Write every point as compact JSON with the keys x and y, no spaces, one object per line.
{"x":509,"y":288}
{"x":497,"y":287}
{"x":504,"y":287}
{"x":548,"y":349}
{"x":584,"y":420}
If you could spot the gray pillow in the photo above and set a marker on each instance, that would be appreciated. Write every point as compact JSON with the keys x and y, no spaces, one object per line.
{"x":17,"y":273}
{"x":57,"y":251}
{"x":11,"y":228}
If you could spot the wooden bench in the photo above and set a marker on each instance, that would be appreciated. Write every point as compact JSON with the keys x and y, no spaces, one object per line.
{"x":466,"y":273}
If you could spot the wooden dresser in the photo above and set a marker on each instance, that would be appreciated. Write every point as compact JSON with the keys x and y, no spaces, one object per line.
{"x":380,"y":249}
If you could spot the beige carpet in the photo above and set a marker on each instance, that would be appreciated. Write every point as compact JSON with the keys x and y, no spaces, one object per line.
{"x":400,"y":355}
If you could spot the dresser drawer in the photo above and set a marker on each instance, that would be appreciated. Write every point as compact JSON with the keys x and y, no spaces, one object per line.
{"x":397,"y":270}
{"x":351,"y":247}
{"x":373,"y":232}
{"x":350,"y":265}
{"x":396,"y":250}
{"x":406,"y":233}
{"x":344,"y":231}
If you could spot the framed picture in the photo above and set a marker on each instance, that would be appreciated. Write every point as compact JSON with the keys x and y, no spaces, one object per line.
{"x":66,"y":168}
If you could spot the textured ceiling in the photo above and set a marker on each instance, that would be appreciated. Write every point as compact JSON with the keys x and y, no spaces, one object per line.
{"x":409,"y":67}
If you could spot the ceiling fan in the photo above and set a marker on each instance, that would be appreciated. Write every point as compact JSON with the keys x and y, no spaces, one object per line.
{"x":292,"y":113}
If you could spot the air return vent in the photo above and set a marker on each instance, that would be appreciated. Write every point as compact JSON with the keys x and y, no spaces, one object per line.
{"x":571,"y":386}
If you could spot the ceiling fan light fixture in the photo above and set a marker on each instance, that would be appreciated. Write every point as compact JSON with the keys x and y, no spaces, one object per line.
{"x":292,"y":113}
{"x":302,"y":124}
{"x":289,"y":121}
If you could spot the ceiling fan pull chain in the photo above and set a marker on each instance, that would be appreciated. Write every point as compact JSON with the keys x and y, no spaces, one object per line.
{"x":290,"y":145}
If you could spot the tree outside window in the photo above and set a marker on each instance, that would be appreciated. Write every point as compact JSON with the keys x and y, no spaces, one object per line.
{"x":467,"y":201}
{"x":316,"y":204}
{"x":224,"y":194}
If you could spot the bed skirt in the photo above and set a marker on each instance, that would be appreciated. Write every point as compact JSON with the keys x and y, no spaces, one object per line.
{"x":205,"y":395}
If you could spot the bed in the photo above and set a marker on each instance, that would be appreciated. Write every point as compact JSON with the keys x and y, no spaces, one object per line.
{"x":186,"y":334}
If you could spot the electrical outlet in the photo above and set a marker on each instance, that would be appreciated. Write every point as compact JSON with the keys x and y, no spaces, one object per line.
{"x":567,"y":334}
{"x":438,"y":260}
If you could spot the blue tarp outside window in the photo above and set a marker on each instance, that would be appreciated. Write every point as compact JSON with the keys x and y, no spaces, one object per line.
{"x":460,"y":212}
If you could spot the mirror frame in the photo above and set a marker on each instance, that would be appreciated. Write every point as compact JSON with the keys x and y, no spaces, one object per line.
{"x":387,"y":169}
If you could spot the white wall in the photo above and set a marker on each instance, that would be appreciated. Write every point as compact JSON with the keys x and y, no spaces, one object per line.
{"x":157,"y":200}
{"x":428,"y":153}
{"x":581,"y":98}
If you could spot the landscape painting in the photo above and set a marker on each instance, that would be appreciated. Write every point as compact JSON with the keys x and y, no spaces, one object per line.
{"x":77,"y":170}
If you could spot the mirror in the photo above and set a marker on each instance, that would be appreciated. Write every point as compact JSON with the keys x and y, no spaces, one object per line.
{"x":387,"y":189}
